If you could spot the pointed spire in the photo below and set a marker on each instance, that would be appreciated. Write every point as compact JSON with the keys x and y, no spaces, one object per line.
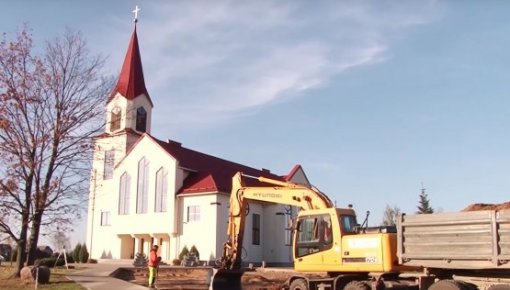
{"x":131,"y":82}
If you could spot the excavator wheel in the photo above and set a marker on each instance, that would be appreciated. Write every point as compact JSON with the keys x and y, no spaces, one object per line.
{"x":447,"y":285}
{"x":226,"y":279}
{"x":357,"y":285}
{"x":470,"y":286}
{"x":298,"y":284}
{"x":499,"y":287}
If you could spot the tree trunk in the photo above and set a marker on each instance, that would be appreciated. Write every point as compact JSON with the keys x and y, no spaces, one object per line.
{"x":20,"y":257}
{"x":22,"y":244}
{"x":34,"y":237}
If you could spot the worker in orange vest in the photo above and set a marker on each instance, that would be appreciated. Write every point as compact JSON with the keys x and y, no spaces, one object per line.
{"x":154,"y":260}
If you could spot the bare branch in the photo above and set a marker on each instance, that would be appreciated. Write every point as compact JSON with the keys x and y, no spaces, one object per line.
{"x":50,"y":107}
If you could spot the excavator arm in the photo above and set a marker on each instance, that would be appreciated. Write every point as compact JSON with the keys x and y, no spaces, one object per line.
{"x":278,"y":192}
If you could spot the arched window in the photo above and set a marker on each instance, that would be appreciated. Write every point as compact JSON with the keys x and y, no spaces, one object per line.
{"x":125,"y":181}
{"x":141,"y":119}
{"x":161,"y":190}
{"x":142,"y":195}
{"x":115,"y":119}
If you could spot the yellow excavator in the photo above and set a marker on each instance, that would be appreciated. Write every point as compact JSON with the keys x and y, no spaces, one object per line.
{"x":324,"y":239}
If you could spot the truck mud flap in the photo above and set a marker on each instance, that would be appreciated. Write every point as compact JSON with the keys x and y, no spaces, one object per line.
{"x":222,"y":279}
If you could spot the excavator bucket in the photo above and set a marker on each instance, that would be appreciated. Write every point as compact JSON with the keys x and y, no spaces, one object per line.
{"x":226,"y":279}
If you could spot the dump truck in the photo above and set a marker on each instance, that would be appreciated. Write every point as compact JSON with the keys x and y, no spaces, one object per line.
{"x":446,"y":251}
{"x":459,"y":250}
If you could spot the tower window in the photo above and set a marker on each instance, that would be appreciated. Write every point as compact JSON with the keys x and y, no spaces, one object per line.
{"x":141,"y":119}
{"x":115,"y":119}
{"x":109,"y":159}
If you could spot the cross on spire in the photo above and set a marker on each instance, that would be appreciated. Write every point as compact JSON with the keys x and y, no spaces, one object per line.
{"x":136,"y":13}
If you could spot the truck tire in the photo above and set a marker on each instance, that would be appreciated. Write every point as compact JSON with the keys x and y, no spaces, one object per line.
{"x":447,"y":285}
{"x":298,"y":284}
{"x":357,"y":285}
{"x":499,"y":287}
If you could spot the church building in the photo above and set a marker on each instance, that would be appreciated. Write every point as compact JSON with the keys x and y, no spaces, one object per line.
{"x":146,"y":191}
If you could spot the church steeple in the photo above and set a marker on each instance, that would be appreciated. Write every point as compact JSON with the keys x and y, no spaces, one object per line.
{"x":131,"y":83}
{"x":129,"y":107}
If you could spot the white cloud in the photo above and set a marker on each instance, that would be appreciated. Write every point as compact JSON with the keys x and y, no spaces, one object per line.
{"x":221,"y":59}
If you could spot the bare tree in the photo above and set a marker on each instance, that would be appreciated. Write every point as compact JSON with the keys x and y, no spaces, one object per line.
{"x":50,"y":106}
{"x":61,"y":241}
{"x":390,"y":215}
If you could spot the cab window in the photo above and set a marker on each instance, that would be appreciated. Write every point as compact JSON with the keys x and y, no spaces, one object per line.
{"x":348,"y":224}
{"x":314,"y":234}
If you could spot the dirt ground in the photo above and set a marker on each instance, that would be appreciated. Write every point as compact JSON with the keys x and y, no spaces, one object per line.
{"x":196,"y":278}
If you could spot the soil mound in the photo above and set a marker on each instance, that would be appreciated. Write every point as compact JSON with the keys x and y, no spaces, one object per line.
{"x":487,"y":206}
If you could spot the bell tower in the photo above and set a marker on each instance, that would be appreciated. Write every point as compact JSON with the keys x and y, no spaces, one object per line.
{"x":128,"y":112}
{"x":129,"y":106}
{"x":128,"y":116}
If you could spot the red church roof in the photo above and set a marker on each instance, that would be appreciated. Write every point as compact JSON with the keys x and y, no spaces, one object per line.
{"x":131,"y":82}
{"x":208,"y":173}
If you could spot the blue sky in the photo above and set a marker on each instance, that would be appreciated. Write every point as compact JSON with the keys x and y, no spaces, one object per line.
{"x":372,"y":98}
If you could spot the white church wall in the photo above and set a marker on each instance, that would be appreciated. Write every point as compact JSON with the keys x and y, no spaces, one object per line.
{"x":253,"y":252}
{"x":107,"y":237}
{"x":222,"y":222}
{"x":276,"y":238}
{"x":101,"y":199}
{"x":199,"y":224}
{"x":150,"y":222}
{"x":131,"y":112}
{"x":121,"y":103}
{"x":128,"y":109}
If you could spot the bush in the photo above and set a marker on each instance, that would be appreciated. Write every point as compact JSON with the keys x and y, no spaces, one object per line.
{"x":92,"y":261}
{"x":41,"y":254}
{"x":76,"y":253}
{"x":184,"y":253}
{"x":176,"y":262}
{"x":194,"y":252}
{"x":84,"y":254}
{"x":50,"y":262}
{"x":70,"y":258}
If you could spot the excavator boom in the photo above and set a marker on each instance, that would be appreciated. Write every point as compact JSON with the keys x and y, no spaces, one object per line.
{"x":273,"y":191}
{"x":268,"y":190}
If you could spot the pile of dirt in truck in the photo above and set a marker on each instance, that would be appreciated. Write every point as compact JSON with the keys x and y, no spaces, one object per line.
{"x":487,"y":206}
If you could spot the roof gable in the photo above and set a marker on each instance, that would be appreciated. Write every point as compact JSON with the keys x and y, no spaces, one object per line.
{"x":297,"y":175}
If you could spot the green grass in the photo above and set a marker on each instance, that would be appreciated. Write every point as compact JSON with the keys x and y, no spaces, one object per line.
{"x":58,"y":281}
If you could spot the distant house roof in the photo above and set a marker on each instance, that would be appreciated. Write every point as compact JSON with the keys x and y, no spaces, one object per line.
{"x":207,"y":173}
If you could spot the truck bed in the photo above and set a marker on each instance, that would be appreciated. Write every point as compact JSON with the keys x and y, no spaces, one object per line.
{"x":461,"y":240}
